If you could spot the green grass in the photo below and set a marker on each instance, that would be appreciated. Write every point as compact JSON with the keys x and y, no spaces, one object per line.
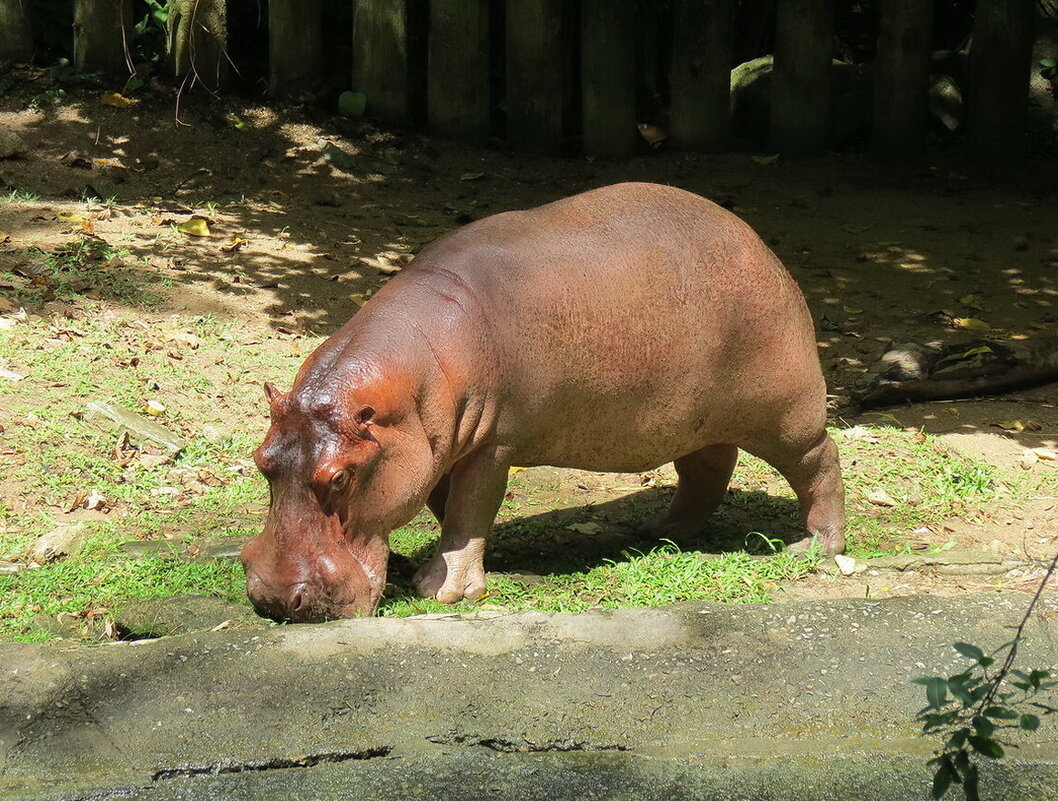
{"x":54,"y":455}
{"x":79,"y":593}
{"x":20,"y":196}
{"x":928,"y":481}
{"x":88,"y":265}
{"x":103,"y":353}
{"x":663,"y":575}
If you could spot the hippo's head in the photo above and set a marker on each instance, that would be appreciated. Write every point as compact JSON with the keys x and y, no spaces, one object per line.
{"x":344,"y":470}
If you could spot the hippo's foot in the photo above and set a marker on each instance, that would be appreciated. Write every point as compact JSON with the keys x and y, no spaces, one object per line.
{"x":449,"y":579}
{"x":829,"y":544}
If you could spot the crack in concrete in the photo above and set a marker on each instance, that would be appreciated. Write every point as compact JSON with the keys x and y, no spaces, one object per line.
{"x":505,"y":746}
{"x":109,"y":795}
{"x":276,"y":763}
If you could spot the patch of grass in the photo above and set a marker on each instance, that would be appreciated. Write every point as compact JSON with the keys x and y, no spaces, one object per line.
{"x":88,"y":265}
{"x":78,"y":594}
{"x":926,"y":481}
{"x":20,"y":196}
{"x":54,"y":457}
{"x":664,"y":575}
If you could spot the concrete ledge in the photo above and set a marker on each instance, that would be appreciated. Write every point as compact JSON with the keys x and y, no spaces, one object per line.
{"x":787,"y":701}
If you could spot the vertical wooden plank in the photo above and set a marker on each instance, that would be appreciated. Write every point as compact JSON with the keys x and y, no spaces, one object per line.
{"x":198,"y":36}
{"x":16,"y":33}
{"x":534,"y":74}
{"x":800,"y":95}
{"x":702,"y":38}
{"x":380,"y":58}
{"x":458,"y":70}
{"x":101,"y":30}
{"x":1000,"y":62}
{"x":901,"y":77}
{"x":295,"y":46}
{"x":608,"y":77}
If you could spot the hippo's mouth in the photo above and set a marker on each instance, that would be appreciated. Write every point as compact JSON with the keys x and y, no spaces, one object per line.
{"x":315,"y":613}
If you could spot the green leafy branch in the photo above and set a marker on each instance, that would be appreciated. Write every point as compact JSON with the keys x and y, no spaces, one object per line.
{"x":971,"y":709}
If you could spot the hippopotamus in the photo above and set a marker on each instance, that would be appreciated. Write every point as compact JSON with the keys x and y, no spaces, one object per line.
{"x":615,"y":330}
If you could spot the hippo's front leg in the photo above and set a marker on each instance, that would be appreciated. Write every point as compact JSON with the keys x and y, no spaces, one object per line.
{"x":477,"y":484}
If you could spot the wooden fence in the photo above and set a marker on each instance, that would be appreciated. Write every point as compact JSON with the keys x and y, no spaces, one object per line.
{"x":575,"y":69}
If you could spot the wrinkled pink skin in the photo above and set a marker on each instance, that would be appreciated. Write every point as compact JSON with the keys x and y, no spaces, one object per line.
{"x":613,"y":331}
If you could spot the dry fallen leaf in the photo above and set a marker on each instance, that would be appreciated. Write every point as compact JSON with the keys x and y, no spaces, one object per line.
{"x":970,"y":324}
{"x":860,"y":434}
{"x":879,"y":497}
{"x":115,"y":99}
{"x":236,"y":244}
{"x":196,"y":226}
{"x":95,"y":501}
{"x":1010,"y":425}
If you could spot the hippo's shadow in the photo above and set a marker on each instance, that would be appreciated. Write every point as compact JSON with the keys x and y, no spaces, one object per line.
{"x":578,"y":539}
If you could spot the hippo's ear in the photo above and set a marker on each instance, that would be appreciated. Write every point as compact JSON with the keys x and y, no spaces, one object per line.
{"x":271,"y":392}
{"x":365,"y":418}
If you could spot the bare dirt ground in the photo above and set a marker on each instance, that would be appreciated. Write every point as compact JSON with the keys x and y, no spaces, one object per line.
{"x":301,"y":233}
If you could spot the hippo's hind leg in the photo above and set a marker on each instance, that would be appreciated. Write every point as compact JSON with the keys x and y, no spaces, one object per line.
{"x":814,"y":473}
{"x":476,"y":486}
{"x":703,"y":478}
{"x":439,"y":498}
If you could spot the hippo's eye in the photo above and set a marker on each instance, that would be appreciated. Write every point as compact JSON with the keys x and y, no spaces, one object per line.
{"x":339,"y":479}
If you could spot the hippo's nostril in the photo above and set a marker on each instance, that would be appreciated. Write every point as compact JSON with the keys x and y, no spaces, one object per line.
{"x":298,"y":597}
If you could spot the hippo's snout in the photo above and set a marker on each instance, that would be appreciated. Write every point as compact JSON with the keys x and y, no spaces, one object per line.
{"x":297,"y":603}
{"x":302,"y":602}
{"x":305,"y":591}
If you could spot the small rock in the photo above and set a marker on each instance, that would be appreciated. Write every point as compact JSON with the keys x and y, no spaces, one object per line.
{"x":107,"y":415}
{"x":61,"y":625}
{"x":65,"y":540}
{"x":162,"y":617}
{"x":846,"y":564}
{"x":11,"y":144}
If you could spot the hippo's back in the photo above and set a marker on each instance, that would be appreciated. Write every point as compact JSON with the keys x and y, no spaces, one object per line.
{"x":632,"y":306}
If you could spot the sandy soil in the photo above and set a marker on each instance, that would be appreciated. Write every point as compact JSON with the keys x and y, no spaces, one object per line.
{"x":884,"y":253}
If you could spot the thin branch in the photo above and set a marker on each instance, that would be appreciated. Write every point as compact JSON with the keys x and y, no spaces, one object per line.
{"x":1012,"y":653}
